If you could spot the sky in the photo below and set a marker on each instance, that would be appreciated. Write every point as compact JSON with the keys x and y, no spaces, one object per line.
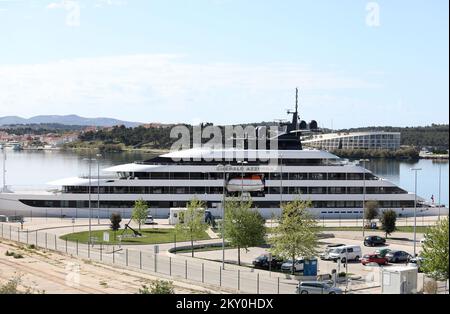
{"x":356,"y":63}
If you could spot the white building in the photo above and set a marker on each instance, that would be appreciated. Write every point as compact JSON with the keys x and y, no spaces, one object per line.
{"x":359,"y":140}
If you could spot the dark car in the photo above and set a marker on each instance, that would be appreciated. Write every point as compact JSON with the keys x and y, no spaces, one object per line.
{"x":398,"y":257}
{"x":374,"y":241}
{"x":262,"y":261}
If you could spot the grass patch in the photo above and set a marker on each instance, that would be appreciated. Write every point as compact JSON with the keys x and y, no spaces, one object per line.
{"x":13,"y":254}
{"x":149,"y":236}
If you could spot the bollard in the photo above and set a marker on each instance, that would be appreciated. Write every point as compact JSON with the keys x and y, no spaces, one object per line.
{"x":56,"y":248}
{"x":203,"y":273}
{"x":36,"y":244}
{"x":77,"y":247}
{"x":170,"y":266}
{"x":156,"y":261}
{"x":257,"y":283}
{"x":101,"y":251}
{"x":220,"y":276}
{"x":175,"y":243}
{"x":113,"y":255}
{"x":239,"y":279}
{"x":278,"y":290}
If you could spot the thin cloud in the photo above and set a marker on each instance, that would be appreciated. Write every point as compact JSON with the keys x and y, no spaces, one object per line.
{"x":153,"y":82}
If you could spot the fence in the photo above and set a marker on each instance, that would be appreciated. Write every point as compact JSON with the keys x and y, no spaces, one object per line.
{"x":208,"y":273}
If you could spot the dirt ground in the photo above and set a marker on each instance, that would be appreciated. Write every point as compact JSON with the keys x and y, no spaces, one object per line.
{"x":48,"y":272}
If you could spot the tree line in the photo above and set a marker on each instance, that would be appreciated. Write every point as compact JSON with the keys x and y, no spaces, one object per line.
{"x":434,"y":135}
{"x":159,"y":138}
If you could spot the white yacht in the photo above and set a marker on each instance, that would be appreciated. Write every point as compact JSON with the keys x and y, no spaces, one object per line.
{"x":336,"y":188}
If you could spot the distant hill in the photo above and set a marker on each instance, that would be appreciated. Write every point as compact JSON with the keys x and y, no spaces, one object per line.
{"x":66,"y":120}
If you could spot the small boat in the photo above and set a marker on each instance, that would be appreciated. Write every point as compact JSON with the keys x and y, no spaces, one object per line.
{"x":252,"y":183}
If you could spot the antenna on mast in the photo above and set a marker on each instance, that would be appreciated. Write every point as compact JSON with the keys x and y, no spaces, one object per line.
{"x":294,"y":125}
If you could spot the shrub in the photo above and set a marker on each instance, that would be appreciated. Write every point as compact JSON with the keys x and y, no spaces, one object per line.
{"x":430,"y":286}
{"x":158,"y":287}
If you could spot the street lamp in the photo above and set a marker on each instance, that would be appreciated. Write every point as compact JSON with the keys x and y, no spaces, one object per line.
{"x":415,"y":204}
{"x":4,"y":171}
{"x":89,"y":190}
{"x":223,"y":215}
{"x":281,"y":181}
{"x":364,"y":194}
{"x":242,"y":163}
{"x":439,"y":195}
{"x":98,"y":187}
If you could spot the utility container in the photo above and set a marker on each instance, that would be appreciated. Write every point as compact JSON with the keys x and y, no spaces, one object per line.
{"x":399,"y":280}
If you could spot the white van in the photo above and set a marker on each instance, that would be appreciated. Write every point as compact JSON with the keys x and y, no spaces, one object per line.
{"x":344,"y":253}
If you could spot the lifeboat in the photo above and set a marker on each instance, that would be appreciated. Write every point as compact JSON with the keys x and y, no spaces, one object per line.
{"x":252,"y":183}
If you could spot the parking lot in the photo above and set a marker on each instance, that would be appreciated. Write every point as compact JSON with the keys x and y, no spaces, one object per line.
{"x":368,"y":276}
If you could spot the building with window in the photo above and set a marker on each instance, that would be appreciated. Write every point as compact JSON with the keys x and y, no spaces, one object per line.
{"x":359,"y":140}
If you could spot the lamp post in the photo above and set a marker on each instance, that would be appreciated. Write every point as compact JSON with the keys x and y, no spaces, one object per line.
{"x":242,"y":163}
{"x":439,"y":194}
{"x":223,"y":215}
{"x":4,"y":170}
{"x":415,"y":205}
{"x":364,"y":195}
{"x":281,"y":180}
{"x":98,"y":187}
{"x":89,"y":191}
{"x":90,"y":209}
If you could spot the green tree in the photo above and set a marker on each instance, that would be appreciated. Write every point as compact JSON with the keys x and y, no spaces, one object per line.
{"x":296,"y":232}
{"x":191,"y":222}
{"x":115,"y":219}
{"x":140,"y":212}
{"x":388,"y":220}
{"x":244,"y":227}
{"x":371,"y":210}
{"x":435,"y":251}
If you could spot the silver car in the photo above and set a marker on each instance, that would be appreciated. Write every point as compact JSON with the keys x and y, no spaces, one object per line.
{"x":317,"y":287}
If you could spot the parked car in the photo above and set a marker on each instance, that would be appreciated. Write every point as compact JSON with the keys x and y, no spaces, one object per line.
{"x":317,"y":287}
{"x":416,"y":262}
{"x":347,"y":252}
{"x":262,"y":261}
{"x":382,"y":252}
{"x":374,"y":241}
{"x":373,"y":259}
{"x":398,"y":257}
{"x":325,"y":255}
{"x":298,"y":265}
{"x":149,"y":220}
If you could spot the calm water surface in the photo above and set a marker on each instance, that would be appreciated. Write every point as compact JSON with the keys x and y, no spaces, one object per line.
{"x":35,"y":168}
